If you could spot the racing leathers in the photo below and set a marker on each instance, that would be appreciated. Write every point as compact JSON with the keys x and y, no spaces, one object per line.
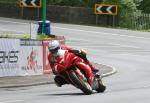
{"x":55,"y":57}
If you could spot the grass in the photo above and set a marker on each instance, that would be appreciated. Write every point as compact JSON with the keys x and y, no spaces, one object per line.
{"x":146,"y":30}
{"x":41,"y":36}
{"x":23,"y":36}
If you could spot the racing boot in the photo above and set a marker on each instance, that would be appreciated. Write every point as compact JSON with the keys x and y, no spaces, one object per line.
{"x":92,"y":67}
{"x":82,"y":55}
{"x":59,"y":81}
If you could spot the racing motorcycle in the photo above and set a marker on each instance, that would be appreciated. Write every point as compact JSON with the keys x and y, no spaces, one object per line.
{"x":74,"y":74}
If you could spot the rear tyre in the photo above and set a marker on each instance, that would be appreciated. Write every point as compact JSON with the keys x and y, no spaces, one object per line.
{"x":101,"y":88}
{"x":81,"y":83}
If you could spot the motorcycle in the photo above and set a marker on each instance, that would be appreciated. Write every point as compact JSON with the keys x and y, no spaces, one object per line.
{"x":74,"y":74}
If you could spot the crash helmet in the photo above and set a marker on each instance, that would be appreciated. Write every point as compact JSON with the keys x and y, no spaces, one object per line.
{"x":53,"y":46}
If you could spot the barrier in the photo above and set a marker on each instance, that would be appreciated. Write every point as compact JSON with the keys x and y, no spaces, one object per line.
{"x":31,"y":62}
{"x":24,"y":57}
{"x":9,"y":57}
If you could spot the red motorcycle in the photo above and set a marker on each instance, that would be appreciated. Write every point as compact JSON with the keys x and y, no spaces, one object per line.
{"x":73,"y":71}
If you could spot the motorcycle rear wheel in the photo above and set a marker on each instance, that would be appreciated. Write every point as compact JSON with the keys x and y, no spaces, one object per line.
{"x":101,"y":88}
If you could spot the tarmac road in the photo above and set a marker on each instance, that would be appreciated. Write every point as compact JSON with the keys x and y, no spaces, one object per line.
{"x":127,"y":51}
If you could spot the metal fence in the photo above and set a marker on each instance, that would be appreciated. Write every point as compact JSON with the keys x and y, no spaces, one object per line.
{"x":135,"y":21}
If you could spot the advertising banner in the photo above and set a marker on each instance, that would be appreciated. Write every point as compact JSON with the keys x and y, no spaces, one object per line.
{"x":31,"y":62}
{"x":46,"y":66}
{"x":9,"y":57}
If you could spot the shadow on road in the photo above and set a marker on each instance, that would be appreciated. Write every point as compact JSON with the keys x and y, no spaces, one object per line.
{"x":64,"y":94}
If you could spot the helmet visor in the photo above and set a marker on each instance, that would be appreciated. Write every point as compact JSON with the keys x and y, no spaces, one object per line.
{"x":53,"y":50}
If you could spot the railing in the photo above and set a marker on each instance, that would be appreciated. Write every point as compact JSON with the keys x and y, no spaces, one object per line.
{"x":134,"y":21}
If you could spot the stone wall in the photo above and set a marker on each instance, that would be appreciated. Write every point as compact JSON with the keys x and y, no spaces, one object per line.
{"x":73,"y":15}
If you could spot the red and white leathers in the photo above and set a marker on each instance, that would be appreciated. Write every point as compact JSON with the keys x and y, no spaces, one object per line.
{"x":56,"y":62}
{"x":87,"y":62}
{"x":64,"y":47}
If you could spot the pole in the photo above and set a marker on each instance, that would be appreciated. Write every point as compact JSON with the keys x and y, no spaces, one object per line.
{"x":30,"y":29}
{"x":96,"y":19}
{"x":38,"y":13}
{"x":113,"y":20}
{"x":44,"y":16}
{"x":22,"y":12}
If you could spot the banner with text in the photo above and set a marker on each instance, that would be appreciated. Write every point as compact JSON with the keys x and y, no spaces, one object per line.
{"x":31,"y":62}
{"x":9,"y":57}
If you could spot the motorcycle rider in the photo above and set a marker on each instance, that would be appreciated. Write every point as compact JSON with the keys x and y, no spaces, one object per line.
{"x":56,"y":50}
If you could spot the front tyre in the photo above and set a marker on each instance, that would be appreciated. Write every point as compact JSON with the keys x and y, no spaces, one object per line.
{"x":81,"y":83}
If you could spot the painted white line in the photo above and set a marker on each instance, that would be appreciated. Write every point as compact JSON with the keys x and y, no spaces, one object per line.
{"x":12,"y":101}
{"x":112,"y":46}
{"x":3,"y":30}
{"x":114,"y":70}
{"x":115,"y":34}
{"x":12,"y":22}
{"x":100,"y":32}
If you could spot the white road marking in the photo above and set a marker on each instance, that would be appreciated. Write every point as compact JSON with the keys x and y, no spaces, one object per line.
{"x":83,"y":30}
{"x":12,"y":101}
{"x":114,"y":70}
{"x":8,"y":30}
{"x":12,"y":22}
{"x":121,"y":35}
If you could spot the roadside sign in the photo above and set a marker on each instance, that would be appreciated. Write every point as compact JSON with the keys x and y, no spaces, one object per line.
{"x":30,"y":3}
{"x":106,"y":9}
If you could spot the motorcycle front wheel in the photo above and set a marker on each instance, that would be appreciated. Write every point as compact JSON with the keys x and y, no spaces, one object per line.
{"x":80,"y":83}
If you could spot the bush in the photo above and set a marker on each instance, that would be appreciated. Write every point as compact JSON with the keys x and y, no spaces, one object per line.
{"x":127,"y":11}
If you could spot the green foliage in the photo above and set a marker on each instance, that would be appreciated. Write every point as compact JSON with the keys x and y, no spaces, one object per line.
{"x":125,"y":6}
{"x":41,"y":36}
{"x":145,"y":6}
{"x":21,"y":36}
{"x":127,"y":11}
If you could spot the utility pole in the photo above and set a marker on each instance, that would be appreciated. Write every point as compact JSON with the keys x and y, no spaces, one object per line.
{"x":43,"y":16}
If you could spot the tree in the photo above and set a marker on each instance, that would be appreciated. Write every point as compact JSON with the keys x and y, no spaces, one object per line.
{"x":144,"y":6}
{"x":126,"y":10}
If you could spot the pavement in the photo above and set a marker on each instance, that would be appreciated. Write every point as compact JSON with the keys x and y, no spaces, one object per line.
{"x":24,"y":81}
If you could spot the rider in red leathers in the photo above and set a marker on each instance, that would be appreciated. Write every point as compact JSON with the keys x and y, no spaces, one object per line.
{"x":57,"y":51}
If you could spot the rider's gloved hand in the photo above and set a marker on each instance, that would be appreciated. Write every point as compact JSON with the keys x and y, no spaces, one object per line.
{"x":83,"y":52}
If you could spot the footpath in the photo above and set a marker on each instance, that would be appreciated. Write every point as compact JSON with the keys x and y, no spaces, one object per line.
{"x":24,"y":81}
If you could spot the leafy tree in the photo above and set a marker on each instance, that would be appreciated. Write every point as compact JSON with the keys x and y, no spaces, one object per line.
{"x":127,"y":9}
{"x":144,"y":6}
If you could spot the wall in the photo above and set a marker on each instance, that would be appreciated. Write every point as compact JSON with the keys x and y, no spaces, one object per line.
{"x":75,"y":15}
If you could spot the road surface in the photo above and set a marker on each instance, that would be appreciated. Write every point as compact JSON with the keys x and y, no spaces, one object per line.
{"x":127,"y":51}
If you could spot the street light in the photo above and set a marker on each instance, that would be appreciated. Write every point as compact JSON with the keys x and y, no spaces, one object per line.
{"x":43,"y":16}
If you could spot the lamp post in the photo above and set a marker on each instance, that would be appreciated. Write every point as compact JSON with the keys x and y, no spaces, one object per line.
{"x":43,"y":16}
